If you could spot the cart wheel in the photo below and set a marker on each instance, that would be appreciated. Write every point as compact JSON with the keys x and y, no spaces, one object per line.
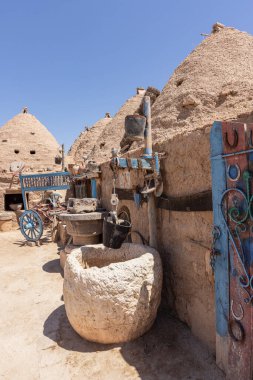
{"x":31,"y":225}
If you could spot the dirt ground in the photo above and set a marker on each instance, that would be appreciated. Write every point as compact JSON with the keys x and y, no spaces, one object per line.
{"x":37,"y":341}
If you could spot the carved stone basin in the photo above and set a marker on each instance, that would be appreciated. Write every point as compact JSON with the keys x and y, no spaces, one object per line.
{"x":84,"y":228}
{"x":112,"y":295}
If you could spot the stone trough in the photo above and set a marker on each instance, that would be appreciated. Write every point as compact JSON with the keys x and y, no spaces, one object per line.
{"x":84,"y":228}
{"x":112,"y":295}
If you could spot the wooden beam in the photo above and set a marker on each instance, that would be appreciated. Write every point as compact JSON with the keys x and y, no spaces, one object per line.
{"x":194,"y":202}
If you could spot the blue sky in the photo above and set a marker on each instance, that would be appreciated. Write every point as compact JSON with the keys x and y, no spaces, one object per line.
{"x":70,"y":61}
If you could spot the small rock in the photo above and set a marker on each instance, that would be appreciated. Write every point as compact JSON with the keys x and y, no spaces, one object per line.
{"x":190,"y":101}
{"x":31,"y":243}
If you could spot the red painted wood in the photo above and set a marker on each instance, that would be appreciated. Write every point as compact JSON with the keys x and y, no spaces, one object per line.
{"x":239,"y":353}
{"x":250,"y":165}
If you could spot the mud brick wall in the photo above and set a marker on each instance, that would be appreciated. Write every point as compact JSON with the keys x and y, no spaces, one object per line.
{"x":25,"y":139}
{"x":184,"y":238}
{"x":9,"y":187}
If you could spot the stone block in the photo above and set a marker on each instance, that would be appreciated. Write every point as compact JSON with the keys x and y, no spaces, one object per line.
{"x":77,"y":206}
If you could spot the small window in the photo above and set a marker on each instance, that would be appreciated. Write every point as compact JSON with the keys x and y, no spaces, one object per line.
{"x":32,"y":152}
{"x":32,"y":133}
{"x":16,"y":151}
{"x":4,"y":140}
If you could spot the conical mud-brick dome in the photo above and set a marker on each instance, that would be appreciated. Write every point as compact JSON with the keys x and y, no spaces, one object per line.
{"x":25,"y":139}
{"x":215,"y":82}
{"x":83,"y":145}
{"x":112,"y":135}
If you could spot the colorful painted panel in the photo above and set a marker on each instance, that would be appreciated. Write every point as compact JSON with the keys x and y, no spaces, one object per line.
{"x":232,"y":178}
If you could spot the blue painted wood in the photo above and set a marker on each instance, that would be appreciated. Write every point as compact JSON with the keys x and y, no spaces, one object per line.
{"x":63,"y":174}
{"x":42,"y":182}
{"x":39,"y":182}
{"x":133,"y":163}
{"x":93,"y":188}
{"x":157,"y":163}
{"x":222,"y":264}
{"x":31,"y":225}
{"x":44,"y":188}
{"x":24,"y":199}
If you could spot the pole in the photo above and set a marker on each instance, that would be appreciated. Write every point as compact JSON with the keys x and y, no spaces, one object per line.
{"x":152,"y":221}
{"x":147,"y":132}
{"x":152,"y":217}
{"x":62,"y":160}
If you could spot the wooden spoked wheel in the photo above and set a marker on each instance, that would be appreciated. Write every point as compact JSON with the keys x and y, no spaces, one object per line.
{"x":31,"y":225}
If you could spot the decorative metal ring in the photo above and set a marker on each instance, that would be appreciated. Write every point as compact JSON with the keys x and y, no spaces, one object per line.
{"x":237,"y":317}
{"x":231,"y":325}
{"x":238,"y":173}
{"x":235,"y":141}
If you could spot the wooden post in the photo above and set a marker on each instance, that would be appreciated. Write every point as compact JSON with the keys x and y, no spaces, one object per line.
{"x":232,"y":163}
{"x":93,"y":188}
{"x":239,"y":352}
{"x":152,"y":221}
{"x":63,"y":158}
{"x":221,"y":263}
{"x":147,"y":132}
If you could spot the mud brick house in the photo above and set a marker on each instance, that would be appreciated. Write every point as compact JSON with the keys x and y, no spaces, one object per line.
{"x":27,"y":146}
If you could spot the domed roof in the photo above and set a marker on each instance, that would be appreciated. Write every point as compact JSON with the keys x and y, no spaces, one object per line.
{"x":24,"y":138}
{"x":215,"y":82}
{"x":85,"y":142}
{"x":112,"y":135}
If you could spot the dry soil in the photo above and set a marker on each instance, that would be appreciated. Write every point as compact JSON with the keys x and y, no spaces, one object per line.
{"x":37,"y":341}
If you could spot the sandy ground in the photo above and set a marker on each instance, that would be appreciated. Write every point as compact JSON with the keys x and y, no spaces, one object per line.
{"x":37,"y":341}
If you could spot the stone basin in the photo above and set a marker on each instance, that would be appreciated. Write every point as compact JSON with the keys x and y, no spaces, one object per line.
{"x":16,"y":206}
{"x":112,"y":295}
{"x":84,"y":228}
{"x":64,"y":254}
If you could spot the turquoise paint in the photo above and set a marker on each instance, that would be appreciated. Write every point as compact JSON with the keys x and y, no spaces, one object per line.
{"x":132,"y":163}
{"x":93,"y":188}
{"x":62,"y":174}
{"x":221,"y":264}
{"x":30,"y":183}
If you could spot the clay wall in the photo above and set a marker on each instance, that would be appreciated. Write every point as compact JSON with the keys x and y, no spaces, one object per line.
{"x":9,"y":187}
{"x":184,"y":238}
{"x":26,"y":144}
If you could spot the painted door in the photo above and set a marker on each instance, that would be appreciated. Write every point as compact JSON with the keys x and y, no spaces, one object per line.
{"x":232,"y":187}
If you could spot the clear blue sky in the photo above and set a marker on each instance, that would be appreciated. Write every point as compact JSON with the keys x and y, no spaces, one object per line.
{"x":70,"y":61}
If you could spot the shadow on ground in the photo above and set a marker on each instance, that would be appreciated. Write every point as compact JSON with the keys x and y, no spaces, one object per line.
{"x":58,"y":328}
{"x":53,"y":266}
{"x":168,"y":351}
{"x":44,"y":240}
